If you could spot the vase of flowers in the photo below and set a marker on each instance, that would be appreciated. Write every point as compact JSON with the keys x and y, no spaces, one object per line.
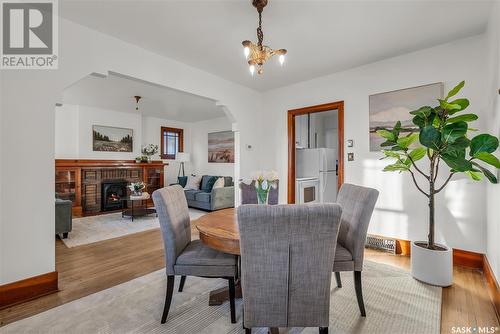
{"x":149,"y":150}
{"x":136,"y":188}
{"x":263,"y":182}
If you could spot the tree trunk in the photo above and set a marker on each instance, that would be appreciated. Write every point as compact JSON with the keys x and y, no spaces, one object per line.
{"x":431,"y":207}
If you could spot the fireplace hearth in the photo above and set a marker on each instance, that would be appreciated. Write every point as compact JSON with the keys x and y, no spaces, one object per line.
{"x":113,"y":193}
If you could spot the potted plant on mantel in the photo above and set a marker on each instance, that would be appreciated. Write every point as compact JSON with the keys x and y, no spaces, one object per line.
{"x":443,"y":134}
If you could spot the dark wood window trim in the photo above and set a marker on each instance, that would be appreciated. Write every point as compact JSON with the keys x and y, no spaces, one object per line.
{"x":180,"y":148}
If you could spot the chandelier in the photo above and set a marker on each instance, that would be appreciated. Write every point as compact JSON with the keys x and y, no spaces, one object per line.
{"x":257,"y":55}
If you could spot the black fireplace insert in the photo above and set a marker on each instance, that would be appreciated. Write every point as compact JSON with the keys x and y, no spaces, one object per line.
{"x":112,"y":194}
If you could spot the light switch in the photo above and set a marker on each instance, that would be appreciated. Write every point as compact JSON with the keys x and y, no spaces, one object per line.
{"x":350,"y":156}
{"x":350,"y":143}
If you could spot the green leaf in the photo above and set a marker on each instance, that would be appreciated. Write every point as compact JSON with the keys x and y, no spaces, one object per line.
{"x":489,"y":175}
{"x":453,"y":131}
{"x":455,"y":90}
{"x":417,"y":153}
{"x":405,"y":142}
{"x":391,"y":154}
{"x":489,"y":158}
{"x":452,"y":108}
{"x":396,"y":167}
{"x":419,"y":121}
{"x":387,"y":143}
{"x":456,"y":161}
{"x":423,"y":111}
{"x":396,"y":129}
{"x":430,"y":137}
{"x":460,"y":144}
{"x":476,"y":176}
{"x":387,"y":135}
{"x":463,"y":103}
{"x":463,"y":118}
{"x":483,"y":143}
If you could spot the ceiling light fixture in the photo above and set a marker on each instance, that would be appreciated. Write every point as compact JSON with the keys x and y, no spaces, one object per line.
{"x":258,"y":54}
{"x":137,"y":98}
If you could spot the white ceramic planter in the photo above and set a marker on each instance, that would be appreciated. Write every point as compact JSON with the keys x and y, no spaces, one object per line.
{"x":432,"y":266}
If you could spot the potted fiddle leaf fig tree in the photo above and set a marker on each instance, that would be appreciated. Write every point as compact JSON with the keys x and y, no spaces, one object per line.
{"x":441,"y":135}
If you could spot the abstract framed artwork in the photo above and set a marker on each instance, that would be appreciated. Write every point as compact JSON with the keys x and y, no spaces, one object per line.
{"x":221,"y":147}
{"x":385,"y":109}
{"x":112,"y":139}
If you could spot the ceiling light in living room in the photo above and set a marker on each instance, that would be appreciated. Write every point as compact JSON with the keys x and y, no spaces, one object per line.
{"x":258,"y":54}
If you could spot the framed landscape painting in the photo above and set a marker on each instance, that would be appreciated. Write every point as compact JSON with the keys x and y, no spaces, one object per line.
{"x":111,"y":139}
{"x":221,"y":147}
{"x":385,"y":109}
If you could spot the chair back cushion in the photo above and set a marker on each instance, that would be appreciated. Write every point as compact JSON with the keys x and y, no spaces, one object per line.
{"x":287,"y":253}
{"x":173,"y":214}
{"x":249,"y":194}
{"x":357,"y":207}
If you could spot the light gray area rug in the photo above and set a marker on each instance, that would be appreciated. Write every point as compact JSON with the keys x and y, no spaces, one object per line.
{"x":87,"y":230}
{"x":395,"y":303}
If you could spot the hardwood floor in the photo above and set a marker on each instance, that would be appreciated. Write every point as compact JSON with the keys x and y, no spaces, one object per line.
{"x":91,"y":268}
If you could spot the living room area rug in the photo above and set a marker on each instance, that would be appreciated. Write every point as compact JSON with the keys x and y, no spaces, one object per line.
{"x":395,"y":303}
{"x":87,"y":230}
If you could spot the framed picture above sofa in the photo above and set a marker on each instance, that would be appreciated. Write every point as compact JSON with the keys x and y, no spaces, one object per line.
{"x":221,"y":147}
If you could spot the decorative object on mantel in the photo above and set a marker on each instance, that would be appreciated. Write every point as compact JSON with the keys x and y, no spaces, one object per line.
{"x":443,"y":137}
{"x":136,"y":188}
{"x":112,"y":139}
{"x":138,"y":160}
{"x":264,"y":181}
{"x":257,"y":55}
{"x":182,"y":157}
{"x":149,"y":150}
{"x":221,"y":147}
{"x":137,"y":99}
{"x":387,"y":108}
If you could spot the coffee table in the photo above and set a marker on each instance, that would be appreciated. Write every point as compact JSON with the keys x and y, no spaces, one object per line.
{"x":133,"y":212}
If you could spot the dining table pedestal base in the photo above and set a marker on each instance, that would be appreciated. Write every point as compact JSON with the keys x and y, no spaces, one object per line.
{"x":219,"y":296}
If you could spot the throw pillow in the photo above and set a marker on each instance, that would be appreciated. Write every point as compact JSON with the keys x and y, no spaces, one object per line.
{"x":210,"y":184}
{"x":219,"y":183}
{"x":193,"y":182}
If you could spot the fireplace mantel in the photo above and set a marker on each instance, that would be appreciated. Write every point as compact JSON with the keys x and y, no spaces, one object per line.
{"x":80,"y":180}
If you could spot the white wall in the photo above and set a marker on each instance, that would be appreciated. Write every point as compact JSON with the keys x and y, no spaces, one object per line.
{"x":401,"y":210}
{"x":493,"y":191}
{"x":199,"y":149}
{"x":28,"y":99}
{"x":73,"y":138}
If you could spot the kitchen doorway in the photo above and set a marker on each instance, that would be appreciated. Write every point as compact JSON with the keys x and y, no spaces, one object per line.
{"x":315,"y":153}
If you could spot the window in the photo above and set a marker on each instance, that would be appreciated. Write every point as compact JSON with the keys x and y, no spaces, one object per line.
{"x":172,"y":141}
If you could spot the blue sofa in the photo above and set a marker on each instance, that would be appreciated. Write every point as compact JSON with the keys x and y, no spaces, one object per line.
{"x":210,"y":200}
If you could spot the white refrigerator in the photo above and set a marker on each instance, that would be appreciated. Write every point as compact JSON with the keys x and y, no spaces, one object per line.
{"x":320,"y":163}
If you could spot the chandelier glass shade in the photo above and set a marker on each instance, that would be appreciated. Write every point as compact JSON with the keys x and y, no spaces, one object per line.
{"x":258,"y":54}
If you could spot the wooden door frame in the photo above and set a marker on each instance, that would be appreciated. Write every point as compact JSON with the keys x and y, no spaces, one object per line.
{"x":339,"y":106}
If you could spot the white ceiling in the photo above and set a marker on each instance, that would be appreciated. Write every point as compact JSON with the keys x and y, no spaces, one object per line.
{"x":117,"y":93}
{"x":322,"y":37}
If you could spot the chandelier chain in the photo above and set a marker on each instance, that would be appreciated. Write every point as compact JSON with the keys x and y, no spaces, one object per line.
{"x":260,"y":34}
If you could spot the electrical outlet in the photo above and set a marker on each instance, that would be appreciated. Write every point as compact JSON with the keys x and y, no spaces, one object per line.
{"x":350,"y":156}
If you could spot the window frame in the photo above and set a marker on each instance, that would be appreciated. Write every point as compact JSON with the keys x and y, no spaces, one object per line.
{"x":180,"y":148}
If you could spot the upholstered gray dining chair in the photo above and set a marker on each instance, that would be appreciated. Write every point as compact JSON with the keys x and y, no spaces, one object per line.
{"x":249,"y":194}
{"x":286,"y":257}
{"x":357,"y":207}
{"x":185,"y":257}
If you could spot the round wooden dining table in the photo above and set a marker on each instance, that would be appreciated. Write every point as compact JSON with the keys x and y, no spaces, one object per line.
{"x":219,"y":230}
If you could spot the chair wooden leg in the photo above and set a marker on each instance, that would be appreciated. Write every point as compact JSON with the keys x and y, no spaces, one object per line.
{"x":337,"y":278}
{"x":323,"y":330}
{"x":168,"y":297}
{"x":232,"y":295}
{"x":181,"y":284}
{"x":248,"y":331}
{"x":359,"y":292}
